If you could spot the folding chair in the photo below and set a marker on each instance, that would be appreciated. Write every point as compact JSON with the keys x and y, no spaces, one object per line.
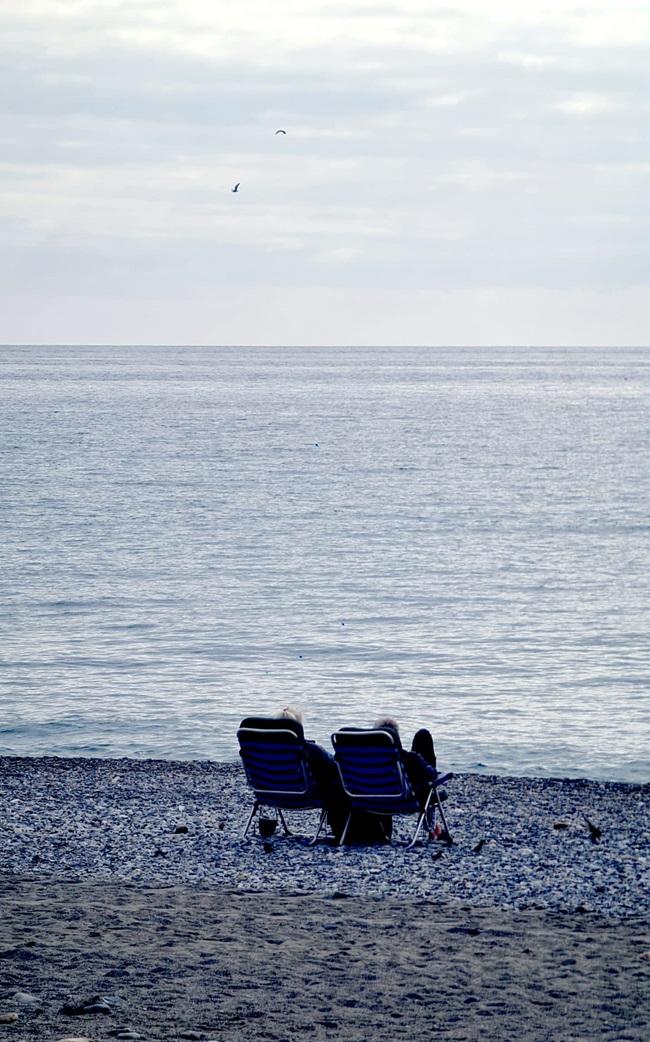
{"x":275,"y":762}
{"x":375,"y":780}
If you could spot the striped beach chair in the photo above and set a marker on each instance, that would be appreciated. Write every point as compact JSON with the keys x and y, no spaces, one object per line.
{"x":277,"y":770}
{"x":375,"y":780}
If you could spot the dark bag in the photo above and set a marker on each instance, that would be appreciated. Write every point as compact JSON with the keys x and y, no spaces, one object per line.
{"x":369,"y":828}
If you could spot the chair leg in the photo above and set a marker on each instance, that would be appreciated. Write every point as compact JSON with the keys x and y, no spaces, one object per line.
{"x":320,"y":825}
{"x":345,"y":830}
{"x":287,"y":830}
{"x":256,"y":807}
{"x":384,"y":833}
{"x":444,"y":820}
{"x":422,"y":817}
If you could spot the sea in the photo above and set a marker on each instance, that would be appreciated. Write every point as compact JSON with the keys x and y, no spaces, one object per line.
{"x":459,"y":538}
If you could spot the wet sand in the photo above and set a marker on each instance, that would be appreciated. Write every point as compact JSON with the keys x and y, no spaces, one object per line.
{"x":204,"y":963}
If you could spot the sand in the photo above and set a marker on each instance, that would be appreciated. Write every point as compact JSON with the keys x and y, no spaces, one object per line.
{"x":198,"y":962}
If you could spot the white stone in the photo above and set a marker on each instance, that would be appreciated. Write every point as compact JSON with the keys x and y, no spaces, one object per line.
{"x":24,"y":998}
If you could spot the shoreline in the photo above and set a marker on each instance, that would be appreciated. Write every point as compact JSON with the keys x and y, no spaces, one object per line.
{"x":481,"y":770}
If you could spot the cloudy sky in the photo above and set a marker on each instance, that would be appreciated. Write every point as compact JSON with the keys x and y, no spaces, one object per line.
{"x":466,"y":173}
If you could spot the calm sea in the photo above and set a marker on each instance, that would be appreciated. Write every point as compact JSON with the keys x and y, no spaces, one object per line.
{"x":458,"y":537}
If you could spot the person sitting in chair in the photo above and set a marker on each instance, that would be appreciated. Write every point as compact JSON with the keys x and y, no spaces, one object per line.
{"x":419,"y":762}
{"x":324,"y":772}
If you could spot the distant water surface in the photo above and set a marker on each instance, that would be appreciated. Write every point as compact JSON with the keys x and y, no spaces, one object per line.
{"x":458,"y":537}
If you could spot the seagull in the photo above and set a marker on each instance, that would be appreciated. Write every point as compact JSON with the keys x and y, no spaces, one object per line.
{"x":236,"y":188}
{"x":280,"y":132}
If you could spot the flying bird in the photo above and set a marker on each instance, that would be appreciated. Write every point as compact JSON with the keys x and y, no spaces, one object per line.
{"x":236,"y":188}
{"x":280,"y":132}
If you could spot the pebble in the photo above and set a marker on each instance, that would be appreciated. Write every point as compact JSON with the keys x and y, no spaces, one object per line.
{"x":87,"y":1007}
{"x":24,"y":998}
{"x":8,"y":1018}
{"x":116,"y":813}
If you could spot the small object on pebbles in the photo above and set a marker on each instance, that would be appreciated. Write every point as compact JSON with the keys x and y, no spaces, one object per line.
{"x":438,"y":854}
{"x":8,"y":1018}
{"x":88,"y":1007}
{"x":560,"y":826}
{"x":268,"y":846}
{"x":98,"y":1007}
{"x":594,"y":832}
{"x":180,"y":830}
{"x":25,"y":998}
{"x":267,"y":826}
{"x":479,"y":847}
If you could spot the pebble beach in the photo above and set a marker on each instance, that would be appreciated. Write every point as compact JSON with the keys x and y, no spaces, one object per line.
{"x":160,"y":822}
{"x":132,"y":908}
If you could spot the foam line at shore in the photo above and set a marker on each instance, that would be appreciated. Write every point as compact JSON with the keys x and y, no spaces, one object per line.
{"x":160,"y":822}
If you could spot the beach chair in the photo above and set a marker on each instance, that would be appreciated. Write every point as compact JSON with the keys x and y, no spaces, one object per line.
{"x":277,"y":770}
{"x":375,"y":780}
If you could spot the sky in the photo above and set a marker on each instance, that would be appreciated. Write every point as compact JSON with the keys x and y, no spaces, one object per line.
{"x":466,"y":173}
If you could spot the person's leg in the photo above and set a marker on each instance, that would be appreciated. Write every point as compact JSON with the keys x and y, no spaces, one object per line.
{"x":328,"y":780}
{"x":423,"y":745}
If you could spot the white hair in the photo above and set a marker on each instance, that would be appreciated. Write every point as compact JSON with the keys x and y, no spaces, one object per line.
{"x":386,"y":721}
{"x":289,"y":713}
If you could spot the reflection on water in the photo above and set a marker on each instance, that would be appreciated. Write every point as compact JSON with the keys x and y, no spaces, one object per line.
{"x":459,"y":537}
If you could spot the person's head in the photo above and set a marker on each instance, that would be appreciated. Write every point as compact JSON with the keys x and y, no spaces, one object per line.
{"x":386,"y":722}
{"x":289,"y":713}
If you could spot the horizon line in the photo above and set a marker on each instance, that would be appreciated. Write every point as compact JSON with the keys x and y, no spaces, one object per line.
{"x":342,"y":347}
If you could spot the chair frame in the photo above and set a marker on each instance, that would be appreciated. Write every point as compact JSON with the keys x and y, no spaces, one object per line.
{"x":283,"y":799}
{"x":389,"y":803}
